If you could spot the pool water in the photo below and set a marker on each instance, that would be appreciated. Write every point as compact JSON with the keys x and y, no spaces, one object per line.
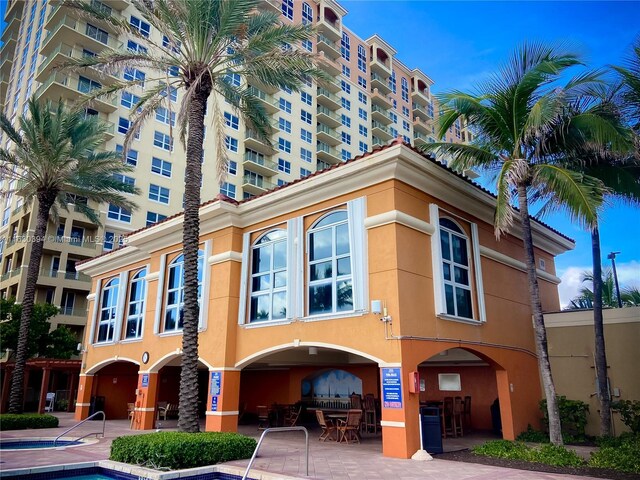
{"x":26,"y":444}
{"x":100,"y":473}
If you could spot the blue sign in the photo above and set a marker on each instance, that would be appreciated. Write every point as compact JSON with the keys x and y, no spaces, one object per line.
{"x":145,"y":379}
{"x":214,"y":403}
{"x":216,"y":383}
{"x":391,"y":388}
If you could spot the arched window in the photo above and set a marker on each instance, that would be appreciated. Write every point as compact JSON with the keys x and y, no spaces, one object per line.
{"x":405,"y":89}
{"x":329,"y":265}
{"x":455,"y":269}
{"x":135,"y":309}
{"x":362,"y":59}
{"x":345,"y":46}
{"x":108,"y":308}
{"x":307,"y":14}
{"x":174,"y":300}
{"x":269,"y":277}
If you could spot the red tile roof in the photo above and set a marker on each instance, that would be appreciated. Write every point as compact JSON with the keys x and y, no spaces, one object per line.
{"x":398,"y":141}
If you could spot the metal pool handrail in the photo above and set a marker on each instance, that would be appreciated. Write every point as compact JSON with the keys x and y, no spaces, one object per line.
{"x":279,"y":429}
{"x":104,"y":420}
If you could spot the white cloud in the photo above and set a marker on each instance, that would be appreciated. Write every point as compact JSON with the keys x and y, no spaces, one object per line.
{"x":628,"y":276}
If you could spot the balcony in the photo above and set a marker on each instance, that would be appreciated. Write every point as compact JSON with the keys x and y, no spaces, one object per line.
{"x":261,"y":86}
{"x":420,"y":96}
{"x":60,"y":277}
{"x":256,"y":185}
{"x":62,"y":54}
{"x":72,"y":31}
{"x":259,"y":164}
{"x":381,"y":66}
{"x":67,"y":87}
{"x":380,"y":131}
{"x":378,"y":98}
{"x":330,"y":48}
{"x":14,"y":7}
{"x":326,"y":116}
{"x":330,"y":66}
{"x":330,"y":28}
{"x":327,"y":153}
{"x":421,"y":139}
{"x":328,"y":99}
{"x":4,"y":85}
{"x":328,"y":135}
{"x":419,"y":111}
{"x":13,"y":24}
{"x":381,"y":115}
{"x":108,"y":7}
{"x":10,"y":40}
{"x":273,"y":6}
{"x":255,"y":142}
{"x":6,"y":60}
{"x":381,"y":82}
{"x":267,"y":101}
{"x":421,"y":125}
{"x":11,"y":274}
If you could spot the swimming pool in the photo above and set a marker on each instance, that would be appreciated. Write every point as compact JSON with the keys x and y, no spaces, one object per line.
{"x":30,"y":444}
{"x":108,"y":470}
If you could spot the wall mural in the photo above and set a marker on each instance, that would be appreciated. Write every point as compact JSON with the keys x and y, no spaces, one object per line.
{"x":331,"y":388}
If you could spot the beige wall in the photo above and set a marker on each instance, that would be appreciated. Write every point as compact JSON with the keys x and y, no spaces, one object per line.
{"x":571,"y":348}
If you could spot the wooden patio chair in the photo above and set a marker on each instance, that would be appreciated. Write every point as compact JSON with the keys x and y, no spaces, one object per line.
{"x":328,"y":427}
{"x":349,"y":430}
{"x":171,"y":410}
{"x":447,"y":417}
{"x":292,"y":416}
{"x":370,"y":420}
{"x":458,"y":409}
{"x":263,"y":417}
{"x":466,"y":413}
{"x":160,"y":407}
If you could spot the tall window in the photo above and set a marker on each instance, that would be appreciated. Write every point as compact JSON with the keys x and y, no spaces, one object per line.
{"x":287,"y":9}
{"x":345,"y":47}
{"x":329,"y":266}
{"x":174,"y":300}
{"x":108,"y":307}
{"x":404,"y":89}
{"x":135,"y":312}
{"x":269,"y":277}
{"x":307,"y":14}
{"x":455,"y":269}
{"x":362,"y":59}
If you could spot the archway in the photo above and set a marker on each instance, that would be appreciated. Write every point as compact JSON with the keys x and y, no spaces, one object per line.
{"x":114,"y":387}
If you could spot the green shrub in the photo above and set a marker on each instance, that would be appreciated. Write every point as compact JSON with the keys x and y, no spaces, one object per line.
{"x":547,"y":453}
{"x":10,"y":421}
{"x":555,"y":455}
{"x":177,"y":450}
{"x":630,"y":413}
{"x":622,"y":453}
{"x":502,"y":449}
{"x":533,"y":436}
{"x":573,"y":417}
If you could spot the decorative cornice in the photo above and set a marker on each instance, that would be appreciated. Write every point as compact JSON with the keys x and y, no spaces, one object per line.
{"x":152,"y":276}
{"x":228,"y":256}
{"x":517,"y":264}
{"x":396,"y":216}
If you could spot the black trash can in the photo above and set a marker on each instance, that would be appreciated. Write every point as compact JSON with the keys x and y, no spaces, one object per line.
{"x":496,"y":421}
{"x":96,"y":405}
{"x":431,"y":429}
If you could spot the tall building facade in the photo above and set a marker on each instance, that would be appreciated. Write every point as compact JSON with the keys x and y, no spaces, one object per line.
{"x":374,"y":98}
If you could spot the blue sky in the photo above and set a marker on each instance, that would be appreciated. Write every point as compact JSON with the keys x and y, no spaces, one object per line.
{"x":460,"y":43}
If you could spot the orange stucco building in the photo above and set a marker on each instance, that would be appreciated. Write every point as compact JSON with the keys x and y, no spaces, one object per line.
{"x":358,"y":275}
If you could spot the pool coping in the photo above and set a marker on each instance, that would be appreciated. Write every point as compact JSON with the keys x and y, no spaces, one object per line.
{"x":147,"y":473}
{"x":83,"y":442}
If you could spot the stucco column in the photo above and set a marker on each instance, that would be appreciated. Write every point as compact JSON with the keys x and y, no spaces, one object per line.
{"x":83,"y":400}
{"x":400,"y":427}
{"x":223,"y":397}
{"x":44,"y":386}
{"x":146,"y":394}
{"x":506,"y":411}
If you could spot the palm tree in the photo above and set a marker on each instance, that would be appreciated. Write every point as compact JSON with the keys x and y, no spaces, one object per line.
{"x":586,"y":298}
{"x":630,"y":76}
{"x":511,"y":113}
{"x":207,"y":47}
{"x":54,"y":155}
{"x":631,"y":296}
{"x":609,"y":158}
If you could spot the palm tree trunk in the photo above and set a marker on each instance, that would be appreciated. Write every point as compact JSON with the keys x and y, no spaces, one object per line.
{"x":555,"y":432}
{"x":188,"y":403}
{"x":598,"y":327}
{"x":45,"y":201}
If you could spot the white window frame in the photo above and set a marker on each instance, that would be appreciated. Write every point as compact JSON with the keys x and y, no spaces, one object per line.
{"x":139,"y":317}
{"x":272,"y":271}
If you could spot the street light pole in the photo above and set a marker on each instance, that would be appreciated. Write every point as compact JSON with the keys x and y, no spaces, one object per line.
{"x":612,"y":257}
